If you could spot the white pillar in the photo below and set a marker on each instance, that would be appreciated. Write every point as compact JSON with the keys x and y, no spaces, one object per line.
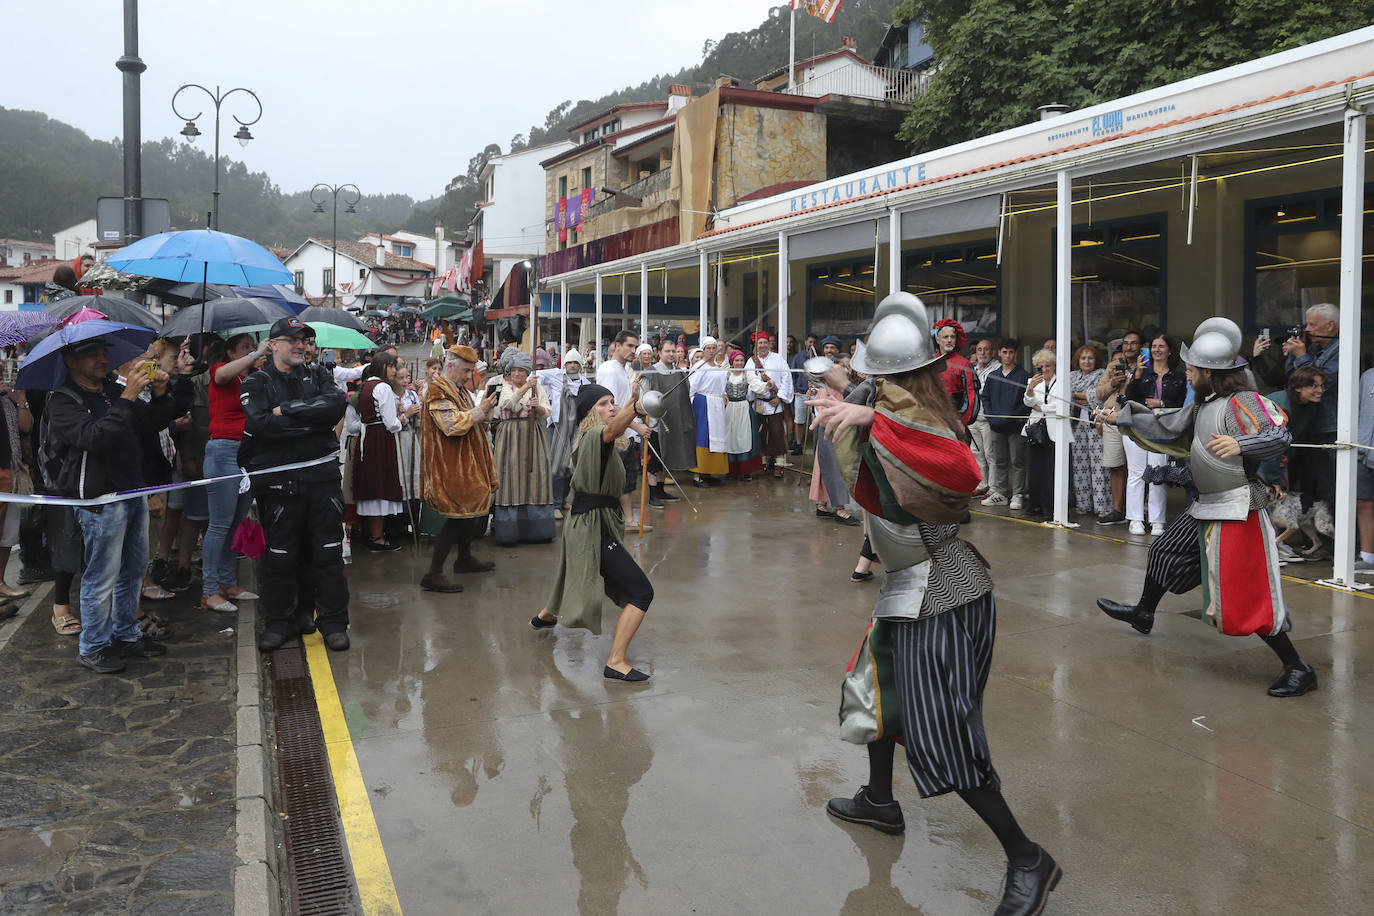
{"x":534,"y":318}
{"x":644,"y":300}
{"x":1348,"y":395}
{"x":894,"y":251}
{"x":562,"y":320}
{"x":624,"y":305}
{"x":784,"y":290}
{"x":1063,"y":317}
{"x":596,"y":332}
{"x":702,"y":291}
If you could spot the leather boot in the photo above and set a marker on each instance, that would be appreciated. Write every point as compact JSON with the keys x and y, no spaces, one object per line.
{"x":1140,"y":621}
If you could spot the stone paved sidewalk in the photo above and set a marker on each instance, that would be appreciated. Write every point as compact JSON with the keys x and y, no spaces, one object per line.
{"x":117,"y":791}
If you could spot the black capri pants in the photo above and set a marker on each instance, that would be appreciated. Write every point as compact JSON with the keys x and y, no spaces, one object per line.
{"x":623,"y":576}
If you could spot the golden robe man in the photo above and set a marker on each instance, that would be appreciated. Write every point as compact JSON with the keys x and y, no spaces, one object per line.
{"x":457,"y":471}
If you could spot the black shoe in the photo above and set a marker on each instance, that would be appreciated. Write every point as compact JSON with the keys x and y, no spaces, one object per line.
{"x":143,"y":647}
{"x":655,"y":502}
{"x":1112,"y":518}
{"x":338,"y":642}
{"x":795,"y":450}
{"x":857,"y":576}
{"x":104,"y":660}
{"x":29,"y":576}
{"x":381,"y":546}
{"x":847,"y":520}
{"x":178,"y":580}
{"x":1028,"y":887}
{"x":157,"y":570}
{"x":665,"y":495}
{"x":1127,"y":613}
{"x":701,"y":483}
{"x":1294,"y":682}
{"x":710,"y":482}
{"x":861,"y":810}
{"x":439,"y":584}
{"x":271,"y":640}
{"x":539,"y":623}
{"x":634,"y":675}
{"x":303,"y":622}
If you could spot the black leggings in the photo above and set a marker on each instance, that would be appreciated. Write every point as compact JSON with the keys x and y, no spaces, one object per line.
{"x":62,"y":587}
{"x":623,"y":575}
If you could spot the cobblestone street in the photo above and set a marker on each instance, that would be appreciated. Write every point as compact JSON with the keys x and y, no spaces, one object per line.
{"x":117,"y":791}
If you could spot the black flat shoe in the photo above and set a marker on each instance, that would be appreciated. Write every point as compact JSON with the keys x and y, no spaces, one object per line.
{"x":1141,"y":622}
{"x":539,"y":623}
{"x":271,"y":641}
{"x":634,"y":675}
{"x":860,"y":809}
{"x":337,"y":642}
{"x":670,"y":497}
{"x":847,"y":520}
{"x":1028,"y":887}
{"x":700,"y":483}
{"x":825,"y":513}
{"x":1294,"y":682}
{"x":860,"y":576}
{"x":381,"y":546}
{"x":143,"y":647}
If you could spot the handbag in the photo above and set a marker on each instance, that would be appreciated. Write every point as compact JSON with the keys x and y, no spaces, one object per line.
{"x":1038,"y":433}
{"x":868,"y":695}
{"x":249,"y":539}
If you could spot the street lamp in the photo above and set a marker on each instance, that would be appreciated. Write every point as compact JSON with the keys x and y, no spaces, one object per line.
{"x":333,"y":191}
{"x":531,"y":280}
{"x":190,"y":131}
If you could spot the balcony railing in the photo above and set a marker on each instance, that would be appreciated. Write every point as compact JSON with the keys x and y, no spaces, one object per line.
{"x":866,"y":82}
{"x":642,"y":189}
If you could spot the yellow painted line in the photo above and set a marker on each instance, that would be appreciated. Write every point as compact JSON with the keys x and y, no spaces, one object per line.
{"x":1101,"y":537}
{"x":376,"y":889}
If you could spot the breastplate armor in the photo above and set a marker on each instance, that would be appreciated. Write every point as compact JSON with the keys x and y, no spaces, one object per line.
{"x":1223,"y":488}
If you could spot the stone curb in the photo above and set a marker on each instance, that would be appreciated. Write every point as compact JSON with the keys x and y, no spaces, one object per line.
{"x":257,"y":886}
{"x":26,"y":607}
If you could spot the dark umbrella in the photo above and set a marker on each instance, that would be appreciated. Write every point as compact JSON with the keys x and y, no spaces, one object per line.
{"x":222,"y":315}
{"x":375,"y":313}
{"x":188,"y":293}
{"x":114,"y":308}
{"x":333,"y":316}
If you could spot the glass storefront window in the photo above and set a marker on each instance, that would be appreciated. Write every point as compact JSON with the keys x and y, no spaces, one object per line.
{"x":840,"y":298}
{"x":961,"y":282}
{"x":1293,"y":258}
{"x":1118,"y":278}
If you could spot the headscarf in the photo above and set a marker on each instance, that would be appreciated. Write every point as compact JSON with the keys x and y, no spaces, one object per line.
{"x":515,"y":359}
{"x":542,"y":358}
{"x":734,"y":353}
{"x":707,"y":340}
{"x":587,"y":398}
{"x":960,"y":335}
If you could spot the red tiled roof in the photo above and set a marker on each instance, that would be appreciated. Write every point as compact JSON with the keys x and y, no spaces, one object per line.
{"x":629,"y":106}
{"x":39,"y":272}
{"x":366,"y":255}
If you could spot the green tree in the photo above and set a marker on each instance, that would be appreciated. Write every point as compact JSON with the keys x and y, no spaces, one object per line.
{"x":999,"y":59}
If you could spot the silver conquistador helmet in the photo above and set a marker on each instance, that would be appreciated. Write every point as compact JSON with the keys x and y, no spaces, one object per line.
{"x":1216,"y":345}
{"x":898,"y":340}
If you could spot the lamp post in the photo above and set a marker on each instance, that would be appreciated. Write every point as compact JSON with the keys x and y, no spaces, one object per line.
{"x":333,"y":191}
{"x":531,"y":266}
{"x":190,"y":131}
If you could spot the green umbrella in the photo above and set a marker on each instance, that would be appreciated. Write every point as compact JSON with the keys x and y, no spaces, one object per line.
{"x":327,"y":336}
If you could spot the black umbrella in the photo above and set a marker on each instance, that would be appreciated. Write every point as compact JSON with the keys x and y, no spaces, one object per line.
{"x":333,"y":316}
{"x":223,"y":315}
{"x":375,"y":313}
{"x":115,"y":308}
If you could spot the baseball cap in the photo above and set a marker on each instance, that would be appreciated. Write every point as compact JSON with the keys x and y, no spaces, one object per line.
{"x":287,"y":327}
{"x":82,"y":347}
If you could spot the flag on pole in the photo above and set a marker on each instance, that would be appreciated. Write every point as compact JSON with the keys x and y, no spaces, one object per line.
{"x":821,"y":9}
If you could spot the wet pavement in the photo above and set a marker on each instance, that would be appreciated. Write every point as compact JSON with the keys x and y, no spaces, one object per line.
{"x":117,"y":791}
{"x":506,"y":776}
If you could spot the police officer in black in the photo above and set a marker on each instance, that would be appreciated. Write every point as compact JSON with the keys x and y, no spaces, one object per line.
{"x":290,"y":411}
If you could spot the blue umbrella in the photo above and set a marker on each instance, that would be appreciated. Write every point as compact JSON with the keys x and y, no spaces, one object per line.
{"x":284,"y":294}
{"x":44,"y":370}
{"x":201,"y":255}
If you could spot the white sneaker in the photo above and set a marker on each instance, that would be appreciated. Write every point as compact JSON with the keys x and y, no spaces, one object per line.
{"x":1137,"y":528}
{"x":1156,"y":529}
{"x":995,"y":499}
{"x":1018,"y":502}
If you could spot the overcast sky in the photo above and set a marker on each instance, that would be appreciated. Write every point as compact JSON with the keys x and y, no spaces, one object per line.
{"x":395,"y":97}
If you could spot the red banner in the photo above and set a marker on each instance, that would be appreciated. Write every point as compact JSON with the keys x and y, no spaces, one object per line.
{"x":560,"y":219}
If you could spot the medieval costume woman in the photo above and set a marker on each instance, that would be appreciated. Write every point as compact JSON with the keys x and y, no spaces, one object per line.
{"x":524,"y":499}
{"x":708,"y":410}
{"x":561,"y":387}
{"x":593,"y":559}
{"x":935,"y":617}
{"x":377,"y":489}
{"x":1226,"y":433}
{"x":741,"y":424}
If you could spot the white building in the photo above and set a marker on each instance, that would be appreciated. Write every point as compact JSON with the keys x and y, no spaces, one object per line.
{"x":18,"y":252}
{"x":510,"y":220}
{"x":366,"y":273}
{"x":75,"y":241}
{"x":437,"y":251}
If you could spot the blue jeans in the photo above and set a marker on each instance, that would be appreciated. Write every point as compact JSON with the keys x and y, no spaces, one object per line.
{"x":218,"y":565}
{"x":116,"y":541}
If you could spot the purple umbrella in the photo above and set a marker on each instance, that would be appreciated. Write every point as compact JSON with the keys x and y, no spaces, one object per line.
{"x":18,"y":327}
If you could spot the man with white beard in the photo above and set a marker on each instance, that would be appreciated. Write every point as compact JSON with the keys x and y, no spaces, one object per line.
{"x":708,"y":409}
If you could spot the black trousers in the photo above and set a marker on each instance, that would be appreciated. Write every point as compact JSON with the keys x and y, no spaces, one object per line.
{"x":622,"y":574}
{"x":304,"y":531}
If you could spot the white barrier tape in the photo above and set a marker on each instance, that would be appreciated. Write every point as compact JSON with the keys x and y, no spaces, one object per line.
{"x":35,"y":499}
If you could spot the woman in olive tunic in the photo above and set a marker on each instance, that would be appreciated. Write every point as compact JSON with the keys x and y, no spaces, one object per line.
{"x":593,"y":535}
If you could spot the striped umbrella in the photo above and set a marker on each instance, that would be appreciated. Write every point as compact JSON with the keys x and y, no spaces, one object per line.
{"x":18,"y":327}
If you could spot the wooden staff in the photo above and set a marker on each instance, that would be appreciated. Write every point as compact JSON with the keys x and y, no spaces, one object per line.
{"x":643,"y":486}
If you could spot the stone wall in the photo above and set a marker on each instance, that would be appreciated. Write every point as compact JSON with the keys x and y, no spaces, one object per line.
{"x":607,"y":172}
{"x":758,"y":147}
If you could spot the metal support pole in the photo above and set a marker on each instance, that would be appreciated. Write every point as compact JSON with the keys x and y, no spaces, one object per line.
{"x":894,"y":251}
{"x":1348,"y":395}
{"x":596,"y":332}
{"x":702,"y":292}
{"x":333,"y":244}
{"x":132,"y":66}
{"x":644,"y":301}
{"x":562,"y":320}
{"x":784,"y":290}
{"x":1063,"y":317}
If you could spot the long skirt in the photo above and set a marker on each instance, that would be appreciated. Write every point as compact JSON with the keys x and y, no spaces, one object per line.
{"x":940,"y":665}
{"x":523,"y":504}
{"x":773,"y":434}
{"x":1091,"y":482}
{"x":708,"y":462}
{"x":742,"y":439}
{"x":376,"y":473}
